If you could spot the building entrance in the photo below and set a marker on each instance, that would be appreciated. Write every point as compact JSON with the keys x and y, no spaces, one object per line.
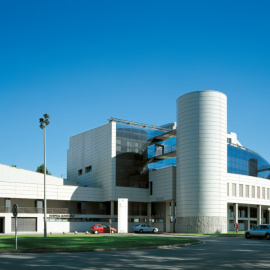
{"x":2,"y":224}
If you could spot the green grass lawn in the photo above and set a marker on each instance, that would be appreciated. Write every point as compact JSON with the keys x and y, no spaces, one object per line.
{"x":7,"y":242}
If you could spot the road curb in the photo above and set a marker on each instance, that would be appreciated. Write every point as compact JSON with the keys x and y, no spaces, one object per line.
{"x":194,"y":235}
{"x":96,"y":249}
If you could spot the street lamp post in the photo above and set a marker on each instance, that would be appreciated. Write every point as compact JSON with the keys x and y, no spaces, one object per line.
{"x":43,"y":122}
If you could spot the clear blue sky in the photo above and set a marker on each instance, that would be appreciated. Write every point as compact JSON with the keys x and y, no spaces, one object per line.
{"x":85,"y":61}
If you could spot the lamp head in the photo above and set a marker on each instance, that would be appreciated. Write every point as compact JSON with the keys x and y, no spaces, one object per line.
{"x":46,"y":115}
{"x":41,"y":120}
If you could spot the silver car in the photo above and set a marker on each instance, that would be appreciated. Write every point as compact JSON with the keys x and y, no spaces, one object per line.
{"x":144,"y":228}
{"x":262,"y":230}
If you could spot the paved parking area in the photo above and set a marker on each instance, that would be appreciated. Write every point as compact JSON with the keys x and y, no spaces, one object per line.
{"x":214,"y":253}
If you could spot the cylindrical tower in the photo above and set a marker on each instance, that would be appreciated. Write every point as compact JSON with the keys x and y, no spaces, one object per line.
{"x":201,"y":162}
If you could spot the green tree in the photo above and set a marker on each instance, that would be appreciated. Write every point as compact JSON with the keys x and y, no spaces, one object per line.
{"x":40,"y":169}
{"x":13,"y":165}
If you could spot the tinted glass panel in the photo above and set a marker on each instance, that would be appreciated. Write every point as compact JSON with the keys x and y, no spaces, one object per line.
{"x":135,"y":151}
{"x":245,"y":162}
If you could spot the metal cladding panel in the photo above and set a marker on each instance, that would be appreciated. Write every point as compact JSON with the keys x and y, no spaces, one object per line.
{"x":201,"y":172}
{"x":24,"y":224}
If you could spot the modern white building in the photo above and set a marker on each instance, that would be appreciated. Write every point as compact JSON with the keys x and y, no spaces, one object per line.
{"x":189,"y":176}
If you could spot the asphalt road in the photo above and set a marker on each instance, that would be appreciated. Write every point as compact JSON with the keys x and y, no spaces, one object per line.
{"x":214,"y":253}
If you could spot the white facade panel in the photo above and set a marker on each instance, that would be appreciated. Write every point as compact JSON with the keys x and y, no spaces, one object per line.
{"x":95,"y":148}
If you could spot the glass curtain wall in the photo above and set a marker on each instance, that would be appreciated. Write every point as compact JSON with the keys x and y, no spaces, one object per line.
{"x":243,"y":161}
{"x":133,"y":154}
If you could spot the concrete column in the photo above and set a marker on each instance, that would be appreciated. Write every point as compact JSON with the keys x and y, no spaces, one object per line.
{"x":259,"y":214}
{"x":173,"y":215}
{"x":249,"y":217}
{"x":7,"y":205}
{"x":39,"y":206}
{"x":235,"y":210}
{"x":8,"y":223}
{"x":112,"y":209}
{"x":149,"y":212}
{"x":167,"y":217}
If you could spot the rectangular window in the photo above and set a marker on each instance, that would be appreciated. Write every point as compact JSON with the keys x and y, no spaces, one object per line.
{"x":233,"y":189}
{"x":247,"y":191}
{"x":268,"y":195}
{"x":151,"y":188}
{"x":253,"y":192}
{"x":253,"y":212}
{"x":80,"y":172}
{"x":241,"y":190}
{"x":228,"y":189}
{"x":88,"y":169}
{"x":258,"y":193}
{"x":242,"y":211}
{"x":231,"y":214}
{"x":263,"y":193}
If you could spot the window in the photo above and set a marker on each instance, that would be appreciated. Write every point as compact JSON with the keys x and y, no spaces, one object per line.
{"x":263,"y":193}
{"x":88,"y":169}
{"x":151,"y":188}
{"x":247,"y":191}
{"x":241,"y":190}
{"x":253,"y":192}
{"x":134,"y":220}
{"x":233,"y":189}
{"x":258,"y":193}
{"x":80,"y":172}
{"x":253,"y":212}
{"x":231,"y":214}
{"x":242,"y":212}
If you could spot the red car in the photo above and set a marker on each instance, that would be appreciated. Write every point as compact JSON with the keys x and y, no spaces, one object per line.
{"x":101,"y":228}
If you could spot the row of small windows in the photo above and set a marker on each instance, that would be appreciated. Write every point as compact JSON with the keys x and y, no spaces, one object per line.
{"x":244,"y":191}
{"x":86,"y":170}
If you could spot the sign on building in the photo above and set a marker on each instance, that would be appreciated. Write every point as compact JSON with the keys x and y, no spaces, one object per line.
{"x":122,"y":215}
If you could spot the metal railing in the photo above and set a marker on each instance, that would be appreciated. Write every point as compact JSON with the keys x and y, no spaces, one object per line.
{"x":34,"y":210}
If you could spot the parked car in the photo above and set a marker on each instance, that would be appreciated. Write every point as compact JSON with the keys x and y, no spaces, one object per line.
{"x":144,"y":228}
{"x":262,"y":230}
{"x":101,"y":228}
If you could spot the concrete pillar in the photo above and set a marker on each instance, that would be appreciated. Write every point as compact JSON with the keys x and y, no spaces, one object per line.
{"x":39,"y":206}
{"x":259,"y":214}
{"x":235,"y":210}
{"x":248,"y":217}
{"x":201,"y":171}
{"x":112,"y":209}
{"x":149,"y":212}
{"x":167,"y":217}
{"x":173,"y":215}
{"x":7,"y":205}
{"x":8,"y":223}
